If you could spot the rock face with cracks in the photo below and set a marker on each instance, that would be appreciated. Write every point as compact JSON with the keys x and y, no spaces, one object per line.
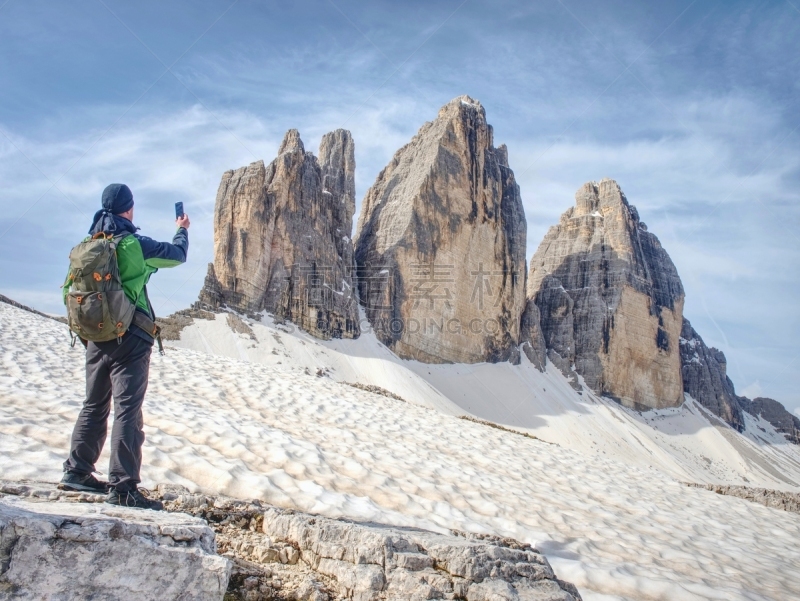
{"x":610,"y":301}
{"x":64,"y":552}
{"x":282,"y":238}
{"x":277,"y":554}
{"x":440,"y":244}
{"x":776,"y":414}
{"x":371,"y":561}
{"x":705,"y":379}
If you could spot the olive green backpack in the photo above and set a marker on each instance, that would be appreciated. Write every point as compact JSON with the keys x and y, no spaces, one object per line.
{"x":97,"y":307}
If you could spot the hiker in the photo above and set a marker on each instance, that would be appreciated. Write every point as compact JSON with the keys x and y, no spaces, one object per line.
{"x":118,"y":361}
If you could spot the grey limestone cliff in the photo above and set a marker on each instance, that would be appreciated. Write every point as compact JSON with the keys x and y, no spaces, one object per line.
{"x":705,"y":380}
{"x":610,"y":301}
{"x":282,"y":238}
{"x":440,"y":244}
{"x":705,"y":377}
{"x":776,"y":414}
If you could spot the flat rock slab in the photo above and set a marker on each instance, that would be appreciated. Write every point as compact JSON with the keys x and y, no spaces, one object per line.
{"x":77,"y":551}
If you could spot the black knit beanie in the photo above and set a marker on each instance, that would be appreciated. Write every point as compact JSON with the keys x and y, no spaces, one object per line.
{"x":117,"y":198}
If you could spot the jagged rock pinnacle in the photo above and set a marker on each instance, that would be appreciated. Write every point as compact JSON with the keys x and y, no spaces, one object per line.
{"x":282,"y":238}
{"x":440,"y":244}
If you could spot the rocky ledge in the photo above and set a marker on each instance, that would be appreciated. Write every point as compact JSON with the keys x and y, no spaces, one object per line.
{"x":65,"y":551}
{"x":285,"y":554}
{"x":280,"y":554}
{"x":372,"y":561}
{"x":777,"y":499}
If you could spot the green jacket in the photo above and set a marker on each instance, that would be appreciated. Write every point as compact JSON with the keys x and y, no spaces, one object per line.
{"x":138,"y":256}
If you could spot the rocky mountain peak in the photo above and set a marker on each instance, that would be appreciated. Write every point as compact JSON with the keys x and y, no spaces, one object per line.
{"x":775,"y":413}
{"x":599,"y":197}
{"x":291,"y":142}
{"x":282,"y":238}
{"x":440,"y":244}
{"x":605,"y":302}
{"x":705,"y":378}
{"x":610,"y":301}
{"x":462,"y":103}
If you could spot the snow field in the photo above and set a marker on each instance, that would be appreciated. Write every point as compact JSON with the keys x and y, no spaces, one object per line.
{"x":616,"y":530}
{"x":687,"y":442}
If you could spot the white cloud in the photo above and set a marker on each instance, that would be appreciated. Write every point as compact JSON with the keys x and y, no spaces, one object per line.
{"x":165,"y":158}
{"x":752,"y":390}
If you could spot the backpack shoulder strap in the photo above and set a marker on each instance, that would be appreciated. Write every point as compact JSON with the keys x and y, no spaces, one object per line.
{"x":117,"y":238}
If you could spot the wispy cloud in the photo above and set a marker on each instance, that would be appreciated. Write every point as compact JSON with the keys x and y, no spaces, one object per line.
{"x":164,"y":157}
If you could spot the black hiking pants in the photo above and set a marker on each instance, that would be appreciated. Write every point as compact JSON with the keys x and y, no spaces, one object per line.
{"x":119,"y":371}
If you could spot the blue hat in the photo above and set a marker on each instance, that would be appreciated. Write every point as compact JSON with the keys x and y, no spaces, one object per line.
{"x":117,"y":198}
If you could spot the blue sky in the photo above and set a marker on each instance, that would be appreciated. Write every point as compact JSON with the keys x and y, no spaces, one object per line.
{"x":691,"y":106}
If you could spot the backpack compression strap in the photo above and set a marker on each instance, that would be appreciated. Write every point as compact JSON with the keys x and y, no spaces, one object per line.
{"x":148,"y":325}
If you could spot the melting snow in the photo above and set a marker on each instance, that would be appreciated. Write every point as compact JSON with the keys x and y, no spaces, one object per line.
{"x":616,"y":528}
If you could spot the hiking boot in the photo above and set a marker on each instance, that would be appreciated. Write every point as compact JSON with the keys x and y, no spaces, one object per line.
{"x":132,"y":498}
{"x":82,"y":483}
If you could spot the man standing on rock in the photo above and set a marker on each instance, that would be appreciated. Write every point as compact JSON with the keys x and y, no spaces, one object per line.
{"x":119,"y":368}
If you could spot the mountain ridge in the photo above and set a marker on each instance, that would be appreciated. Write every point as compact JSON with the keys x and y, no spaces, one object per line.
{"x":440,"y":249}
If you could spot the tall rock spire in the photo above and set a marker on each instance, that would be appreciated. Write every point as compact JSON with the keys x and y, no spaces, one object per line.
{"x":610,"y":301}
{"x":440,"y":245}
{"x":282,"y":238}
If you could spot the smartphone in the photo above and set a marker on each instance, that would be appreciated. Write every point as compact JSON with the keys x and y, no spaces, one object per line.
{"x":178,"y":210}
